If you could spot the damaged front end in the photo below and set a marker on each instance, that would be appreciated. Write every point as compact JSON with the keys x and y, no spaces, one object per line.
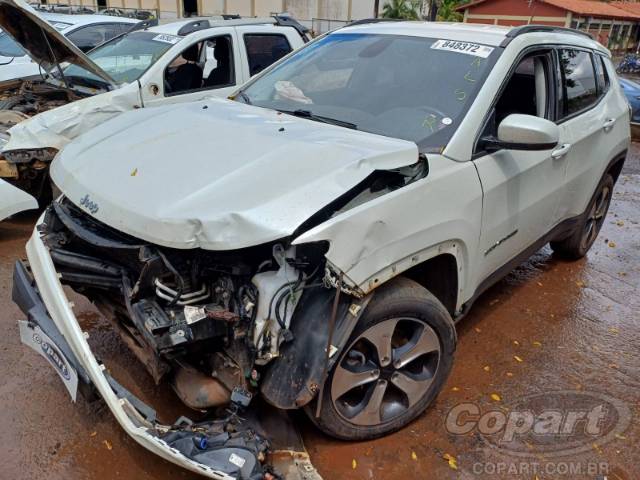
{"x":19,"y":101}
{"x":210,"y":323}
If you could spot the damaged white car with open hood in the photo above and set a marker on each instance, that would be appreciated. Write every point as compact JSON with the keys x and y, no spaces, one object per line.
{"x":175,"y":62}
{"x":312,"y":241}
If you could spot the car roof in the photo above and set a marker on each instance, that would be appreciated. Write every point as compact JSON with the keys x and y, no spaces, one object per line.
{"x":494,"y":35}
{"x":84,"y":19}
{"x":175,"y":28}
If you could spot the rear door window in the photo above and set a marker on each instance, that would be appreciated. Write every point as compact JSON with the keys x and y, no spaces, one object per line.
{"x":265,"y":49}
{"x":579,"y":83}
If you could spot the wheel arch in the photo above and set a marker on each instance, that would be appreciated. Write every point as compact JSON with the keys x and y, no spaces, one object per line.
{"x":439,"y":275}
{"x":615,"y":166}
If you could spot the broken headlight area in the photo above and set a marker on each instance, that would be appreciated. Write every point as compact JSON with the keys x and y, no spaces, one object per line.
{"x":207,"y":322}
{"x":30,"y":97}
{"x":38,"y":157}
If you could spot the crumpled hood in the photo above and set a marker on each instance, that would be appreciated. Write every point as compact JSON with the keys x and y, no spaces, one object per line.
{"x":217,"y":174}
{"x":55,"y":128}
{"x":44,"y":44}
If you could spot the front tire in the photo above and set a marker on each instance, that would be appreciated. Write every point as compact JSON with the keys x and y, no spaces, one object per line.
{"x":395,"y":363}
{"x":580,"y":241}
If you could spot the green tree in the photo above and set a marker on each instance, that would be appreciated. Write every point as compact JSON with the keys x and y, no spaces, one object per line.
{"x":447,"y":11}
{"x":403,"y":9}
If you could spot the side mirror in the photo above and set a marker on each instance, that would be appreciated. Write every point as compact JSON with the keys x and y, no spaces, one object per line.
{"x":523,"y":132}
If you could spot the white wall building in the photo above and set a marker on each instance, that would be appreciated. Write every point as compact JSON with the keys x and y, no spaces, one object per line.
{"x":326,"y":13}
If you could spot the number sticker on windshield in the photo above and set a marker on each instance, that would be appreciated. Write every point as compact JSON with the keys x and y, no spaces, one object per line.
{"x":163,"y":37}
{"x":463,"y":47}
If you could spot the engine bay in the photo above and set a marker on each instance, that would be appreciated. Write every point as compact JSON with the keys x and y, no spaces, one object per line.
{"x":205,"y":321}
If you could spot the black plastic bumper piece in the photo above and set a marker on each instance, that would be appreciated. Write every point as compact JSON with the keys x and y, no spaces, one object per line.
{"x":26,"y":296}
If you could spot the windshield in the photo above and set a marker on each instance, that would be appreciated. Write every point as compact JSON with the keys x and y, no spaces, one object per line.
{"x":9,"y":47}
{"x":407,"y":87}
{"x":125,"y":58}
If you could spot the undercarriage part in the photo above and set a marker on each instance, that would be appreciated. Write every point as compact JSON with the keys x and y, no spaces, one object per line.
{"x":197,"y":390}
{"x":293,"y":379}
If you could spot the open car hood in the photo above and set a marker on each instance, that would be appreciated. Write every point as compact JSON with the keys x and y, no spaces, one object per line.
{"x":217,"y":174}
{"x":44,"y":44}
{"x":14,"y":200}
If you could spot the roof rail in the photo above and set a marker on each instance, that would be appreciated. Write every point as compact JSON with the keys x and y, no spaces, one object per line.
{"x":285,"y":21}
{"x":236,"y":20}
{"x":364,"y":21}
{"x":517,"y":31}
{"x":194,"y":27}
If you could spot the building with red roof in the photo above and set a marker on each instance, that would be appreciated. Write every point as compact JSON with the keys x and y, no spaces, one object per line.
{"x":614,"y":24}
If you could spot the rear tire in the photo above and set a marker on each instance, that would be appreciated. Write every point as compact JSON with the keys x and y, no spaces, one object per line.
{"x":580,"y":241}
{"x":394,"y":364}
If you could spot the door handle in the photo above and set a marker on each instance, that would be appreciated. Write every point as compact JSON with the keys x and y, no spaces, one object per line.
{"x":608,"y":124}
{"x":561,"y":151}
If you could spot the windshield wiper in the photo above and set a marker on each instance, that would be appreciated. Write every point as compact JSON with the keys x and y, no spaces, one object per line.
{"x":244,"y":97}
{"x":319,"y":118}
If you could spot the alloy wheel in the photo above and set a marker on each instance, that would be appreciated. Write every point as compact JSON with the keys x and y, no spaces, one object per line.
{"x":596,"y":216}
{"x":387,"y":370}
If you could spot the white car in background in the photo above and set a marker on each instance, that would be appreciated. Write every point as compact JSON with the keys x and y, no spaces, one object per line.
{"x":173,"y":63}
{"x":83,"y":30}
{"x":314,"y":241}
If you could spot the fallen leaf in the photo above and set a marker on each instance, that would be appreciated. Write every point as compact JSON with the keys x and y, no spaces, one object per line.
{"x":453,"y":463}
{"x":537,"y":344}
{"x":455,"y":389}
{"x":107,"y":444}
{"x":414,"y":456}
{"x":486,"y":368}
{"x":517,"y":359}
{"x":580,"y":284}
{"x":496,"y":397}
{"x":614,"y":330}
{"x":135,"y":172}
{"x":620,"y":437}
{"x":516,"y":342}
{"x":539,"y":284}
{"x":509,"y":374}
{"x":477,"y":330}
{"x":612,"y":244}
{"x":93,"y":434}
{"x":354,"y":464}
{"x":620,"y":223}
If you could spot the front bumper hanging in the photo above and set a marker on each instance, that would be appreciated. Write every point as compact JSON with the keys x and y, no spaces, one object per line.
{"x":39,"y":294}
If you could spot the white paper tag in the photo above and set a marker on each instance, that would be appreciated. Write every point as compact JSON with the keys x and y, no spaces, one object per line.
{"x":237,"y":460}
{"x":163,"y":37}
{"x":194,"y":314}
{"x":467,"y":48}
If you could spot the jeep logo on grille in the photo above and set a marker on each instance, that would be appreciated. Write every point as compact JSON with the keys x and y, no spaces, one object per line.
{"x":89,"y":204}
{"x":54,"y":356}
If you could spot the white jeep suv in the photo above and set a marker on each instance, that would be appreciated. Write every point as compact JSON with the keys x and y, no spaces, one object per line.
{"x":314,"y":240}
